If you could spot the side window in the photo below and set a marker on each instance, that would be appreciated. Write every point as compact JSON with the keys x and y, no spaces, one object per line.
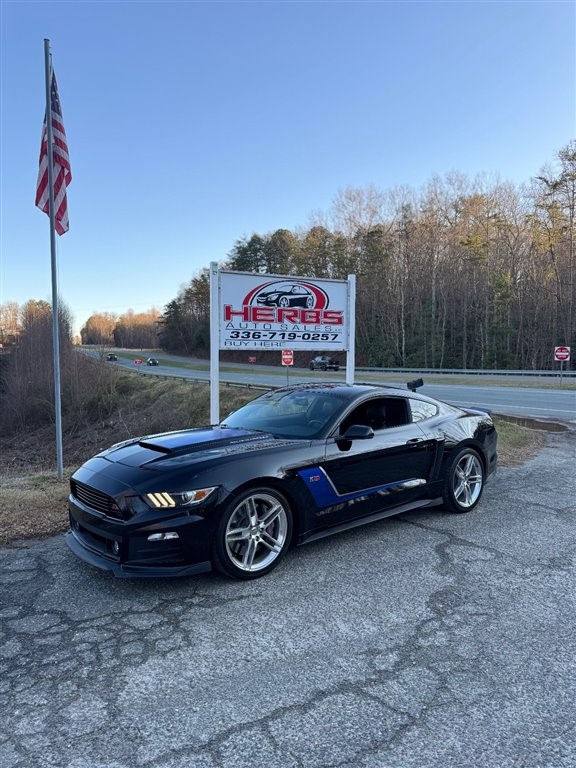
{"x":356,"y":417}
{"x":379,"y":413}
{"x":422,"y":410}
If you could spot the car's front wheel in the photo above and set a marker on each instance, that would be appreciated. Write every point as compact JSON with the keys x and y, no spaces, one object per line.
{"x":464,"y":481}
{"x":254,"y":534}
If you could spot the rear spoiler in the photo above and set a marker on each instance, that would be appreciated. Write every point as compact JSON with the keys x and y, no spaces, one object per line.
{"x":479,"y":409}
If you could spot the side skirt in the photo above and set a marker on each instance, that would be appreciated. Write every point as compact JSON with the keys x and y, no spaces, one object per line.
{"x":306,"y":539}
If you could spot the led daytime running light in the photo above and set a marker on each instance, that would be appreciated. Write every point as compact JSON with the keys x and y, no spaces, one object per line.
{"x":165,"y":500}
{"x":161,"y":500}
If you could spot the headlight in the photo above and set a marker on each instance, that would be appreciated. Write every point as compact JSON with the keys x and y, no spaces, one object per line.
{"x":165,"y":500}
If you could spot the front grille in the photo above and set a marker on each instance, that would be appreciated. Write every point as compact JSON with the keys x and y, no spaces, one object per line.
{"x":95,"y":499}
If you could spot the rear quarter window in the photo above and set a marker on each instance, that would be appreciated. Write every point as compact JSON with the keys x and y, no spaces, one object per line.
{"x":422,"y":410}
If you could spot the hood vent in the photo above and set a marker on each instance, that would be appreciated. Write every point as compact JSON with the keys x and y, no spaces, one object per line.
{"x":155,"y":446}
{"x":186,"y":442}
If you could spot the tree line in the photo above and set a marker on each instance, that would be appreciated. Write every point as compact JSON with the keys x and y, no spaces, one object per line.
{"x":134,"y":330}
{"x":463,"y":274}
{"x":459,"y":274}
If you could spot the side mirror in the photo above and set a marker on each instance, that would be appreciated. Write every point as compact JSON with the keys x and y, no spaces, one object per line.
{"x":358,"y":432}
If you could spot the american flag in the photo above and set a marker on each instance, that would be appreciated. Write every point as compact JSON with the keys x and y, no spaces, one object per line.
{"x":62,"y":175}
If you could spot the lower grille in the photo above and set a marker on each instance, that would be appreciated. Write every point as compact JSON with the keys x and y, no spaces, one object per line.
{"x":94,"y":542}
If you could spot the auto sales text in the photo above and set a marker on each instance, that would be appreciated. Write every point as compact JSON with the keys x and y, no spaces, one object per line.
{"x":295,"y":315}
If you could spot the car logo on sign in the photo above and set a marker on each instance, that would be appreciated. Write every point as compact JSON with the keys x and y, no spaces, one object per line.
{"x":284,"y":294}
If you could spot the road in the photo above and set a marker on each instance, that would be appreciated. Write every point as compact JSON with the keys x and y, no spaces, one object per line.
{"x":519,"y":400}
{"x":526,"y":402}
{"x":430,"y":639}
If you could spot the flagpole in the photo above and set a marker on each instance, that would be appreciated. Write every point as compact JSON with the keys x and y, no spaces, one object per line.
{"x":51,"y":213}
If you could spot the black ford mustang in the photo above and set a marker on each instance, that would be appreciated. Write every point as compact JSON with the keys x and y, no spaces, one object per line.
{"x":294,"y":465}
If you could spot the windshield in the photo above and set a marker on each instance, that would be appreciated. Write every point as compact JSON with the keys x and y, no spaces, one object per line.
{"x":303,"y":414}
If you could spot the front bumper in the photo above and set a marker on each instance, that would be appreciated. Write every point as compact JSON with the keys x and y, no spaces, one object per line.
{"x":124,"y":548}
{"x":125,"y":570}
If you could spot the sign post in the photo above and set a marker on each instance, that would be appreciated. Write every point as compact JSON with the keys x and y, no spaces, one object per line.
{"x":287,"y":360}
{"x":562,"y":355}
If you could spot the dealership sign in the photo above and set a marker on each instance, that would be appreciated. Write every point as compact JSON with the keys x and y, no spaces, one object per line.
{"x":282,"y":312}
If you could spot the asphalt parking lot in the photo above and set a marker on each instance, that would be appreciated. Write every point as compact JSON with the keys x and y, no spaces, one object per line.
{"x":422,"y":641}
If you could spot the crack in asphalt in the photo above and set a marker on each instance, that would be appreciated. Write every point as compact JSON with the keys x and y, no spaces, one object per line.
{"x":117,"y":639}
{"x":162,"y":680}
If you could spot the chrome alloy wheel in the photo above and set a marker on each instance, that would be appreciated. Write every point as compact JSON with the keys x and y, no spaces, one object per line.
{"x":468,"y":479}
{"x":256,"y":532}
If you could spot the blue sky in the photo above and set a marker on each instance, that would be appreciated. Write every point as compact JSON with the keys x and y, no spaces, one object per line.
{"x":193,"y":124}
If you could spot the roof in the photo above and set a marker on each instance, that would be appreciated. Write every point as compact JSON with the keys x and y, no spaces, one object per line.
{"x":349,"y":391}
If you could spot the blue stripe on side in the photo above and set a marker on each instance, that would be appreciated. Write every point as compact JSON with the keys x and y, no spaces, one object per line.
{"x":325,"y":495}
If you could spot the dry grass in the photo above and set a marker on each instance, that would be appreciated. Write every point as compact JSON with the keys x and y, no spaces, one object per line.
{"x":33,"y":502}
{"x":517,"y":444}
{"x":32,"y":506}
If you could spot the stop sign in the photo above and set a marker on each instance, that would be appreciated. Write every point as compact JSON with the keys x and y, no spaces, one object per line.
{"x":562,"y":353}
{"x":287,"y":357}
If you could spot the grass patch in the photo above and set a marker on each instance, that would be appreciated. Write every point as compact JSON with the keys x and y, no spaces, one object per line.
{"x":472,"y":380}
{"x":517,"y":444}
{"x":33,"y":506}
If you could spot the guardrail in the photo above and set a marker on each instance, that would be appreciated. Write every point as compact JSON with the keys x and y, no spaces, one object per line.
{"x":197,"y":380}
{"x":469,"y":372}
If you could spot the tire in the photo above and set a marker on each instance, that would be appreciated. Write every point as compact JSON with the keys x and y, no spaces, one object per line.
{"x":253,"y":534}
{"x":464,"y":481}
{"x":284,"y":302}
{"x":312,"y":366}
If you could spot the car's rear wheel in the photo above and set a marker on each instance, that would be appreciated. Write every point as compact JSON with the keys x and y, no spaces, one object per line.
{"x":254,"y":534}
{"x":464,"y":481}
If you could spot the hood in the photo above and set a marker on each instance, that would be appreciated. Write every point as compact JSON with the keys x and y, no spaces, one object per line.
{"x":174,"y":449}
